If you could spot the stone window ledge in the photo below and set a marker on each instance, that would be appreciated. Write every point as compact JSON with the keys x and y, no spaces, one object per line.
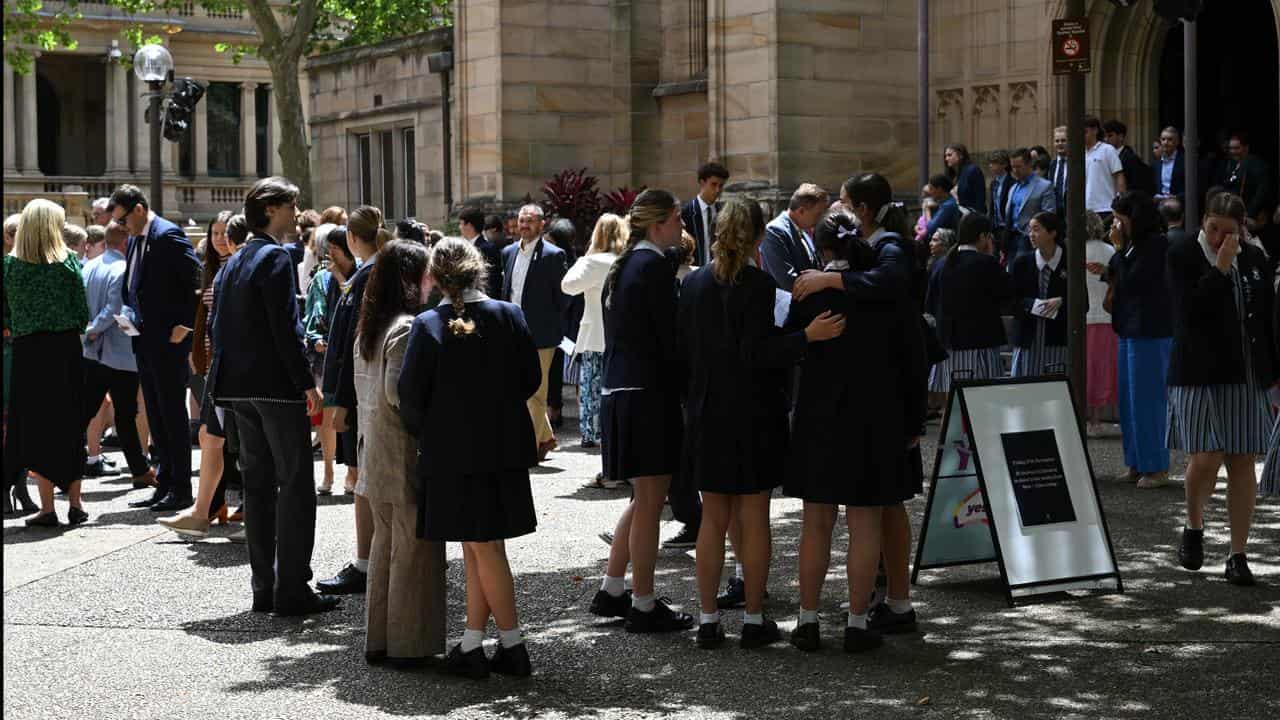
{"x":683,"y":87}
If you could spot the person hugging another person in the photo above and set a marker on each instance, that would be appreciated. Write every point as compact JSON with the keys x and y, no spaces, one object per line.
{"x":471,"y":363}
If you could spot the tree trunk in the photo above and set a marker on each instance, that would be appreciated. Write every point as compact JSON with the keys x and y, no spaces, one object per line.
{"x":295,"y":153}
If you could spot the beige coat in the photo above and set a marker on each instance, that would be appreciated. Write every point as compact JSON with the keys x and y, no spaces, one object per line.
{"x":387,"y":452}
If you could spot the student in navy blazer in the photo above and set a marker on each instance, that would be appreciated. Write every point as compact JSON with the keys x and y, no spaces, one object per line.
{"x":699,"y":214}
{"x":162,"y":276}
{"x":1041,"y":342}
{"x":471,"y":226}
{"x":787,"y":249}
{"x":964,"y":173}
{"x":532,"y":271}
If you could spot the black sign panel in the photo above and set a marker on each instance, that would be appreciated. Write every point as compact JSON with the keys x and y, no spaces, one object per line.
{"x":1071,"y":46}
{"x":1039,"y":483}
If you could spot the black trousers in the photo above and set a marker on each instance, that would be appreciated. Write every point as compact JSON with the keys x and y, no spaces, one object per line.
{"x":163,"y":372}
{"x":555,"y":381}
{"x":99,"y":380}
{"x":274,"y":441}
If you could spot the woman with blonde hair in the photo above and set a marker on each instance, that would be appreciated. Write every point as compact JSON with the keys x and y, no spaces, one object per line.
{"x":16,"y":497}
{"x":45,"y":310}
{"x":586,"y":278}
{"x":471,"y":363}
{"x":736,"y":405}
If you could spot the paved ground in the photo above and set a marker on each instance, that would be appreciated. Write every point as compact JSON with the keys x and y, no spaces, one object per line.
{"x":118,"y":619}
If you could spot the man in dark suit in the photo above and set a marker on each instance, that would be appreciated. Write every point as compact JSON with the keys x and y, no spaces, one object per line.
{"x":532,"y":270}
{"x":471,"y":224}
{"x":998,"y":195}
{"x":261,"y":375}
{"x":159,"y":292}
{"x":1249,"y":177}
{"x":1175,"y":220}
{"x":1169,"y":175}
{"x":788,"y":248}
{"x":1137,"y":174}
{"x":699,"y":214}
{"x":1058,"y":171}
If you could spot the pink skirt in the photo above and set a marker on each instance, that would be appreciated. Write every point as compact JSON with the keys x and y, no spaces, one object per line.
{"x":1102,"y":347}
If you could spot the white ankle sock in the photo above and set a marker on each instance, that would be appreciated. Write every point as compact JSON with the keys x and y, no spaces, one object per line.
{"x":737,"y":570}
{"x":750,"y":619}
{"x":362,"y":565}
{"x":706,"y":618}
{"x":899,"y":606}
{"x":93,"y":459}
{"x":808,"y":616}
{"x":643,"y":603}
{"x":858,"y":620}
{"x":472,"y":639}
{"x":510,"y":638}
{"x":615,"y":586}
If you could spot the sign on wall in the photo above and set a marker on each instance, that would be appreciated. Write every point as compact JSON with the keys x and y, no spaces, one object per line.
{"x":1071,"y":46}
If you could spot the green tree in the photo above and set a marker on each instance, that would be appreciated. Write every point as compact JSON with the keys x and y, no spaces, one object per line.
{"x":288,"y":31}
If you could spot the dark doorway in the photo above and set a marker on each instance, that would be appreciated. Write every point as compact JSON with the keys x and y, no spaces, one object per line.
{"x":1239,"y":77}
{"x":71,"y":105}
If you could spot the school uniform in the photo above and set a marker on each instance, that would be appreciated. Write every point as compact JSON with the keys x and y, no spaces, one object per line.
{"x":1223,"y":358}
{"x":971,"y":188}
{"x":1040,"y":343}
{"x":737,"y":365}
{"x":1269,"y":481}
{"x":640,"y":418}
{"x":338,"y":379}
{"x":966,"y":291}
{"x":1142,"y":321}
{"x":464,"y":398}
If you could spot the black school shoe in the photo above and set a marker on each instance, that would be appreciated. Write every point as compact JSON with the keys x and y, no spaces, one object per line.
{"x":348,"y":581}
{"x":661,"y":619}
{"x":473,"y":665}
{"x":1238,"y":572}
{"x":710,"y":636}
{"x":77,"y":516}
{"x":512,"y":661}
{"x":735,"y":594}
{"x":1191,"y":551}
{"x":606,"y":605}
{"x":683,"y":540}
{"x":310,"y":606}
{"x":882,"y":619}
{"x":806,"y":637}
{"x":757,"y":636}
{"x":99,"y":469}
{"x":858,"y":640}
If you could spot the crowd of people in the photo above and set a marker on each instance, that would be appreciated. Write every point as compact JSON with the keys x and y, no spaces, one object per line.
{"x":719,"y":355}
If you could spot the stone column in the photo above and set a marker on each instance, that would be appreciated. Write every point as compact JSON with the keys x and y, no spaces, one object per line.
{"x":29,"y":140}
{"x":200,"y":139}
{"x":117,"y":119}
{"x":273,"y":133}
{"x":248,"y":131}
{"x":10,"y":146}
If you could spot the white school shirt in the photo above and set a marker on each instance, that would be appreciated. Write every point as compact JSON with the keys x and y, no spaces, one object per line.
{"x":1101,"y":163}
{"x":1100,"y":252}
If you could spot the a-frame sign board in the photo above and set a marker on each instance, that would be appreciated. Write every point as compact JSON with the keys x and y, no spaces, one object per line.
{"x":1012,"y":483}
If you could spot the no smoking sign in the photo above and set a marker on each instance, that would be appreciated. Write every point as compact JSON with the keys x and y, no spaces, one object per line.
{"x":1071,"y":46}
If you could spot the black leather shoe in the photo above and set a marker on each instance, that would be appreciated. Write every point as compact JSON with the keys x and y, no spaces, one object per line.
{"x":858,"y":640}
{"x":884,"y":620}
{"x":98,"y":469}
{"x":77,"y":516}
{"x":710,"y":636}
{"x":735,"y":594}
{"x":512,"y":661}
{"x":154,"y":498}
{"x":606,"y":605}
{"x":375,"y":657}
{"x":806,"y":637}
{"x":1191,"y":551}
{"x":686,"y":538}
{"x":49,"y":519}
{"x":472,"y":665}
{"x":316,"y":604}
{"x":348,"y":581}
{"x":263,"y":603}
{"x":172,"y":503}
{"x":757,"y":636}
{"x":658,"y":620}
{"x":1238,"y":572}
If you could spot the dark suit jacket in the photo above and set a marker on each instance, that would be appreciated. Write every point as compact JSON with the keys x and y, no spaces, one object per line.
{"x":971,"y":188}
{"x":1207,"y":330}
{"x":1060,"y":198}
{"x":640,"y":325}
{"x":1139,"y":293}
{"x":1026,"y":287}
{"x":258,"y":340}
{"x":966,"y":291}
{"x":784,"y":253}
{"x":339,"y":380}
{"x":493,"y":258}
{"x":1253,"y":184}
{"x":169,"y":280}
{"x":542,"y":301}
{"x":703,"y":236}
{"x":1178,"y":181}
{"x":1137,"y":174}
{"x":464,"y":397}
{"x":1002,"y":202}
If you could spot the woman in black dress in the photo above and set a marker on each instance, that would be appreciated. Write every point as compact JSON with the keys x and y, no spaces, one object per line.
{"x":860,"y":414}
{"x":736,"y":434}
{"x":468,"y":370}
{"x":640,"y":420}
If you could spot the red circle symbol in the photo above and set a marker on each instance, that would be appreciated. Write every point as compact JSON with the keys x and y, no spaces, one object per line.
{"x":1071,"y":47}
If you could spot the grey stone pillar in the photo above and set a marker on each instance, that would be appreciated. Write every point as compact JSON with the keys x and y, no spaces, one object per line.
{"x":200,"y":139}
{"x":248,"y":131}
{"x":29,"y":141}
{"x":116,"y":119}
{"x":10,"y":132}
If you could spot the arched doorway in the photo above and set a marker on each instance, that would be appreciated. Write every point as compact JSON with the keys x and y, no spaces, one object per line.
{"x":1239,"y":77}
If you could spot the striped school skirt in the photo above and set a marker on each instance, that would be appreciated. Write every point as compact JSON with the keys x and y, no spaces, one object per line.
{"x":1269,"y":483}
{"x":1039,"y":359}
{"x":973,"y":364}
{"x":1232,"y":419}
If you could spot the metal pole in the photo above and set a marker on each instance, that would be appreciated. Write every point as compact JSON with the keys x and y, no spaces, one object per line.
{"x":1077,"y":293}
{"x":1191,"y":124}
{"x":446,"y":142}
{"x":922,"y":49}
{"x":157,"y":179}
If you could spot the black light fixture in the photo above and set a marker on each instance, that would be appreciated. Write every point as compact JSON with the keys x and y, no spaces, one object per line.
{"x":178,"y":109}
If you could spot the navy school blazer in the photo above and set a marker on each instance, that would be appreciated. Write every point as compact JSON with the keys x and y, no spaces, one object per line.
{"x":640,"y":325}
{"x":339,"y":378}
{"x":1026,"y":288}
{"x":542,"y":301}
{"x":966,"y":291}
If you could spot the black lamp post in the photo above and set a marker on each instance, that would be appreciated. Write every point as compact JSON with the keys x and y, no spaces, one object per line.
{"x":153,"y":65}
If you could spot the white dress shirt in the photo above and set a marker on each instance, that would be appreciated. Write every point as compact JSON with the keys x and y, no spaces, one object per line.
{"x":524,"y":257}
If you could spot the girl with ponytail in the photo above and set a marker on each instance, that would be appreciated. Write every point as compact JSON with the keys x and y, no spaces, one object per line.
{"x":640,"y":414}
{"x":737,"y":403}
{"x":471,"y":363}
